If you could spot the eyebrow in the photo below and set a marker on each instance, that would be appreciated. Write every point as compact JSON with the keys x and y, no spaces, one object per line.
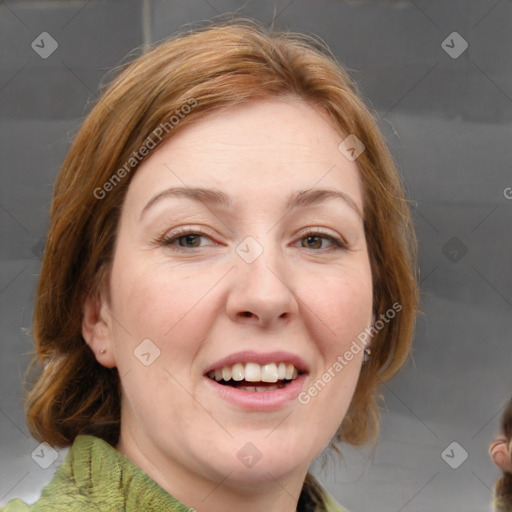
{"x":302,"y":198}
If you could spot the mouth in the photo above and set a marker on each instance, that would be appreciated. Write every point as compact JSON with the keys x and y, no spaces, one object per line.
{"x":258,"y":382}
{"x":254,"y":377}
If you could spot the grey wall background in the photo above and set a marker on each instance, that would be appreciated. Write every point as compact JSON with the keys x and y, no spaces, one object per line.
{"x":448,"y":122}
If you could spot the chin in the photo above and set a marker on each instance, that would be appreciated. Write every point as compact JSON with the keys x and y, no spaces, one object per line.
{"x":254,"y":459}
{"x":262,"y":472}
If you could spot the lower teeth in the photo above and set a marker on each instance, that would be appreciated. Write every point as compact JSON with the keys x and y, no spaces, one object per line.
{"x":255,"y":389}
{"x":258,"y":389}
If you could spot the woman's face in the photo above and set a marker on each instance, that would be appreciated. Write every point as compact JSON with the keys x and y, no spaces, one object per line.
{"x":259,"y":268}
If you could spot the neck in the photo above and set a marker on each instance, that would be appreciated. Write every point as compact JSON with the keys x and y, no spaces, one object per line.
{"x":225,"y":493}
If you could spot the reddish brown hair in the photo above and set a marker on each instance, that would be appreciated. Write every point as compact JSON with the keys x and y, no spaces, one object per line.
{"x":216,"y":67}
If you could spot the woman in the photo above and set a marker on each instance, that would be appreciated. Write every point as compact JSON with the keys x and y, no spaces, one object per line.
{"x":228,"y":238}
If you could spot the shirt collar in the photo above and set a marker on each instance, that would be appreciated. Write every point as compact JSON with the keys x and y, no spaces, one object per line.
{"x":111,"y":481}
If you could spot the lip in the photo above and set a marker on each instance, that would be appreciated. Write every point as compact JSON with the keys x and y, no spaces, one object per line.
{"x":259,"y":401}
{"x":249,"y":356}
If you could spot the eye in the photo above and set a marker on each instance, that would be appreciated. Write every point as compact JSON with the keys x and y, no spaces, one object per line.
{"x":190,"y":240}
{"x":314,"y":240}
{"x":185,"y":238}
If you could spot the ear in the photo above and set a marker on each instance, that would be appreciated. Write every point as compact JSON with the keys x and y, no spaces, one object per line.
{"x":371,"y":324}
{"x":97,"y":329}
{"x":500,"y":454}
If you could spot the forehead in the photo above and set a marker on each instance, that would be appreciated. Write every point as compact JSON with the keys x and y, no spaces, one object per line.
{"x":263,"y":150}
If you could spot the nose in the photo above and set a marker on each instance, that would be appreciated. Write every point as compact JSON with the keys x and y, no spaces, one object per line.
{"x":262,"y":291}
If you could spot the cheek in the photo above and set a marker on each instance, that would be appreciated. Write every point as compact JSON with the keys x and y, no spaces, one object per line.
{"x":156,"y":312}
{"x":342,"y":309}
{"x":342,"y":306}
{"x":161,"y":304}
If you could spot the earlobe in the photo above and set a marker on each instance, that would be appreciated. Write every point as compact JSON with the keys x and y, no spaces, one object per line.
{"x":96,"y":330}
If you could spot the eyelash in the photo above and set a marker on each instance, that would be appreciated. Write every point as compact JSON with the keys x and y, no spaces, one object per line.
{"x":168,"y":241}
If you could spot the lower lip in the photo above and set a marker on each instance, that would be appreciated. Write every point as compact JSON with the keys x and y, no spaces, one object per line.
{"x":259,"y":400}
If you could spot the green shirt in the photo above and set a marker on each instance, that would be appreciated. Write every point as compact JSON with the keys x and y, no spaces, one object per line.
{"x":96,"y":477}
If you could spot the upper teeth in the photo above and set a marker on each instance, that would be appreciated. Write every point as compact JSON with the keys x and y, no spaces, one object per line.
{"x":253,"y":372}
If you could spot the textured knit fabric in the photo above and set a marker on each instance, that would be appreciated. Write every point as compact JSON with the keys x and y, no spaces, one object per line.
{"x":96,"y":477}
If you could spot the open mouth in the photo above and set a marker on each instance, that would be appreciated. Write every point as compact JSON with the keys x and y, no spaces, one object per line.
{"x":254,"y":377}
